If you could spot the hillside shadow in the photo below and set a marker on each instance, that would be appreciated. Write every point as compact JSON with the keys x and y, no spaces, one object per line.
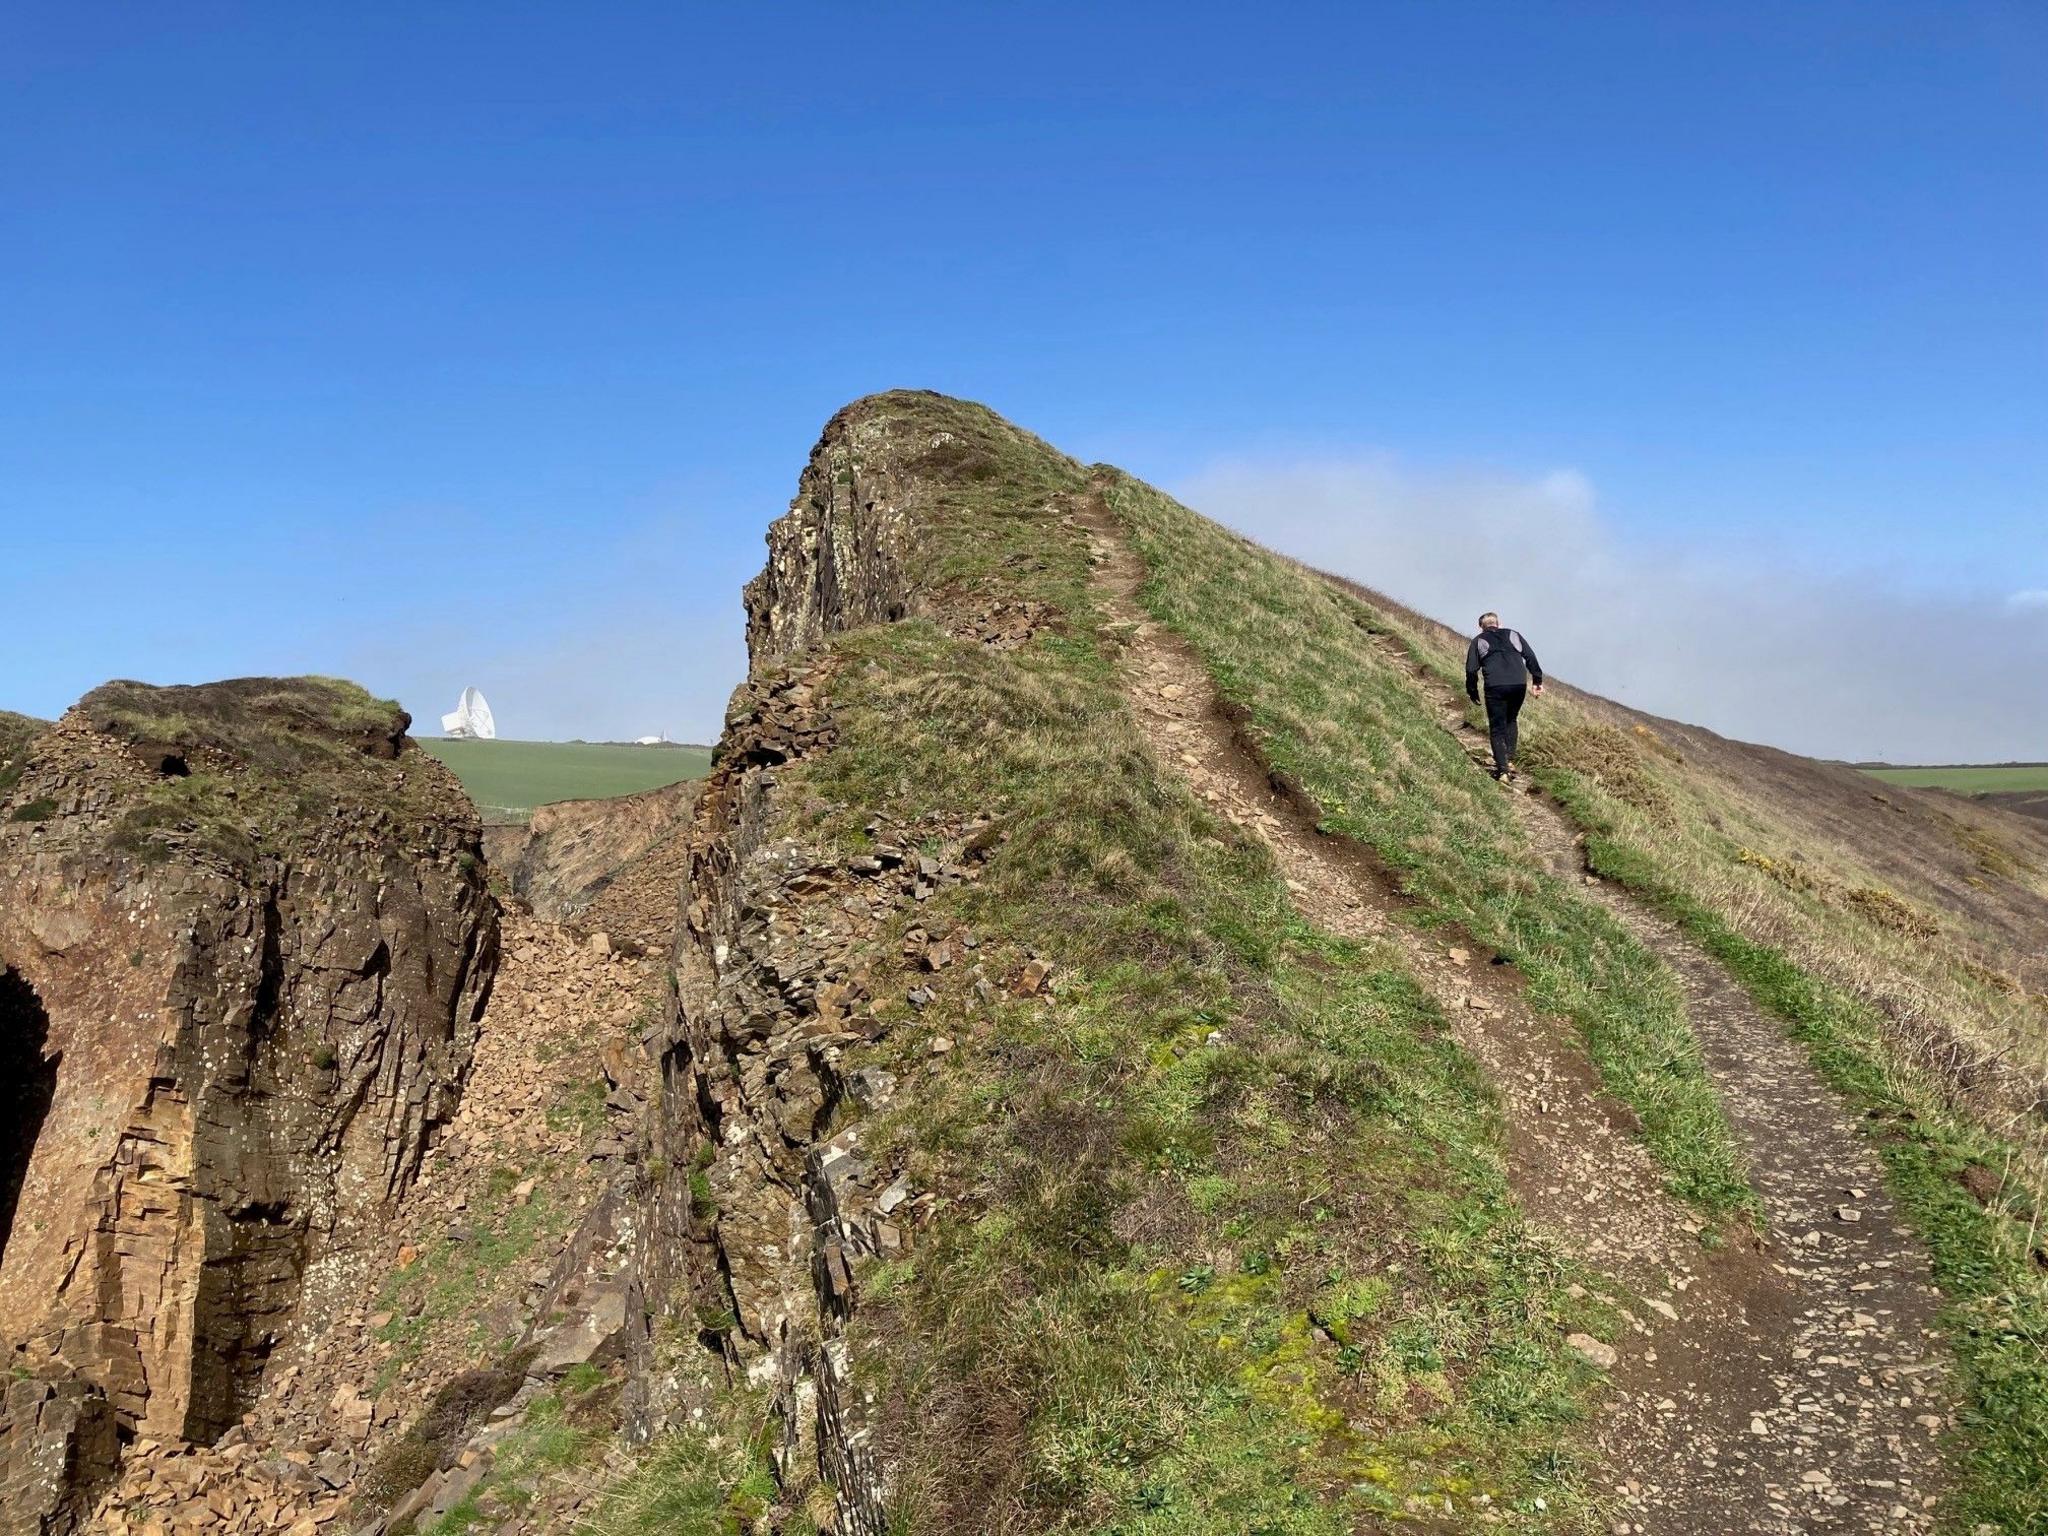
{"x":28,"y":1084}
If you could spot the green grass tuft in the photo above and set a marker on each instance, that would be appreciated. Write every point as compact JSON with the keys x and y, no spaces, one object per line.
{"x":692,"y":1483}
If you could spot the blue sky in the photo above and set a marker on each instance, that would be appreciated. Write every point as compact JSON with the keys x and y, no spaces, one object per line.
{"x":467,"y":343}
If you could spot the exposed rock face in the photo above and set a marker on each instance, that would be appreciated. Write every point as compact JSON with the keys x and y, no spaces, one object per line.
{"x":753,"y":1220}
{"x":569,"y":853}
{"x":636,"y":905}
{"x":244,"y":942}
{"x":367,"y":1403}
{"x":58,"y":1444}
{"x":836,"y":558}
{"x":763,"y":1193}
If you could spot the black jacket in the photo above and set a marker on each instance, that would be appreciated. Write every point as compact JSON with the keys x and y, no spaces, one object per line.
{"x":1504,"y":656}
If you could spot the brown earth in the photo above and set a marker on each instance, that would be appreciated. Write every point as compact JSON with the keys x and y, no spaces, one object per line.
{"x":2021,"y":802}
{"x":561,"y":860}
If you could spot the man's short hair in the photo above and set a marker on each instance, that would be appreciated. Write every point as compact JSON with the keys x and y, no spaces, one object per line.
{"x":1489,"y":614}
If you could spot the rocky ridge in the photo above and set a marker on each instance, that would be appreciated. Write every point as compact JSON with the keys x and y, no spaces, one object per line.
{"x":762,"y":1196}
{"x":670,"y":1175}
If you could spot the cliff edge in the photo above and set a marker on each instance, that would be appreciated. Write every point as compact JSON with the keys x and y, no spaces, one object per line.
{"x":244,"y":943}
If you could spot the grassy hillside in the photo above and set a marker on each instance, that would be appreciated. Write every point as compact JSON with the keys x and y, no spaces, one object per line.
{"x":1970,"y":779}
{"x":1922,"y":1006}
{"x":1339,"y":715}
{"x":1225,"y":1240}
{"x":508,"y":779}
{"x":1228,"y":1245}
{"x":16,"y":732}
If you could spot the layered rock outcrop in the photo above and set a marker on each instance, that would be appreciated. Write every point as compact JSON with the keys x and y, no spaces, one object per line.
{"x":763,"y":1193}
{"x":58,"y":1442}
{"x":752,"y":1219}
{"x":836,"y":559}
{"x":244,"y":945}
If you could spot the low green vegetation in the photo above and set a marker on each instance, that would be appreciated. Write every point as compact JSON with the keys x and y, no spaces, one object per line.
{"x":508,"y":780}
{"x":454,"y":1284}
{"x":1970,"y":778}
{"x":250,"y":768}
{"x":1865,"y":977}
{"x":459,"y":1282}
{"x":1227,"y":1242}
{"x":17,"y":730}
{"x":457,"y":1408}
{"x":698,"y":1482}
{"x":579,"y":1107}
{"x":559,"y":1433}
{"x":1338,"y":711}
{"x":278,"y":725}
{"x":17,"y":734}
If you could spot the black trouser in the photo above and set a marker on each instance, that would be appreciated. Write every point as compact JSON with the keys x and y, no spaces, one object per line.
{"x":1502,"y":705}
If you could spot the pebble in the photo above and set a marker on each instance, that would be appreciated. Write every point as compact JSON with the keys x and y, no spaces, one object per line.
{"x":1593,"y":1350}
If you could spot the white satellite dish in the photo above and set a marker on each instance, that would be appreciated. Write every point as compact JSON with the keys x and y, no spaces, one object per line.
{"x":472,"y":718}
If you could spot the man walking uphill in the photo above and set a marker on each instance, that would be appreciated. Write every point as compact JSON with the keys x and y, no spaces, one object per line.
{"x":1512,"y":673}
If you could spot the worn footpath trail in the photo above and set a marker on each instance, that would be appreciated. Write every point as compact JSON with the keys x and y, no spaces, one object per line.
{"x":1785,"y":1383}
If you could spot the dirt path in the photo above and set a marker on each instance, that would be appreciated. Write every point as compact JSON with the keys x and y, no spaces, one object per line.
{"x":1790,"y":1385}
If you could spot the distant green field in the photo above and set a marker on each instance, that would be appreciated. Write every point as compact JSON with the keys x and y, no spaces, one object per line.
{"x":2005,"y":778}
{"x":507,"y":779}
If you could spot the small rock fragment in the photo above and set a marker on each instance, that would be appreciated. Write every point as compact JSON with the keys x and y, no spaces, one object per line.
{"x":1603,"y":1356}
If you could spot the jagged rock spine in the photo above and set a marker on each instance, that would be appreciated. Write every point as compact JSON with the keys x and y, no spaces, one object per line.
{"x":749,"y":1064}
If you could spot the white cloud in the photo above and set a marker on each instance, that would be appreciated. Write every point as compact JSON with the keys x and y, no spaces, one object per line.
{"x":1715,"y":630}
